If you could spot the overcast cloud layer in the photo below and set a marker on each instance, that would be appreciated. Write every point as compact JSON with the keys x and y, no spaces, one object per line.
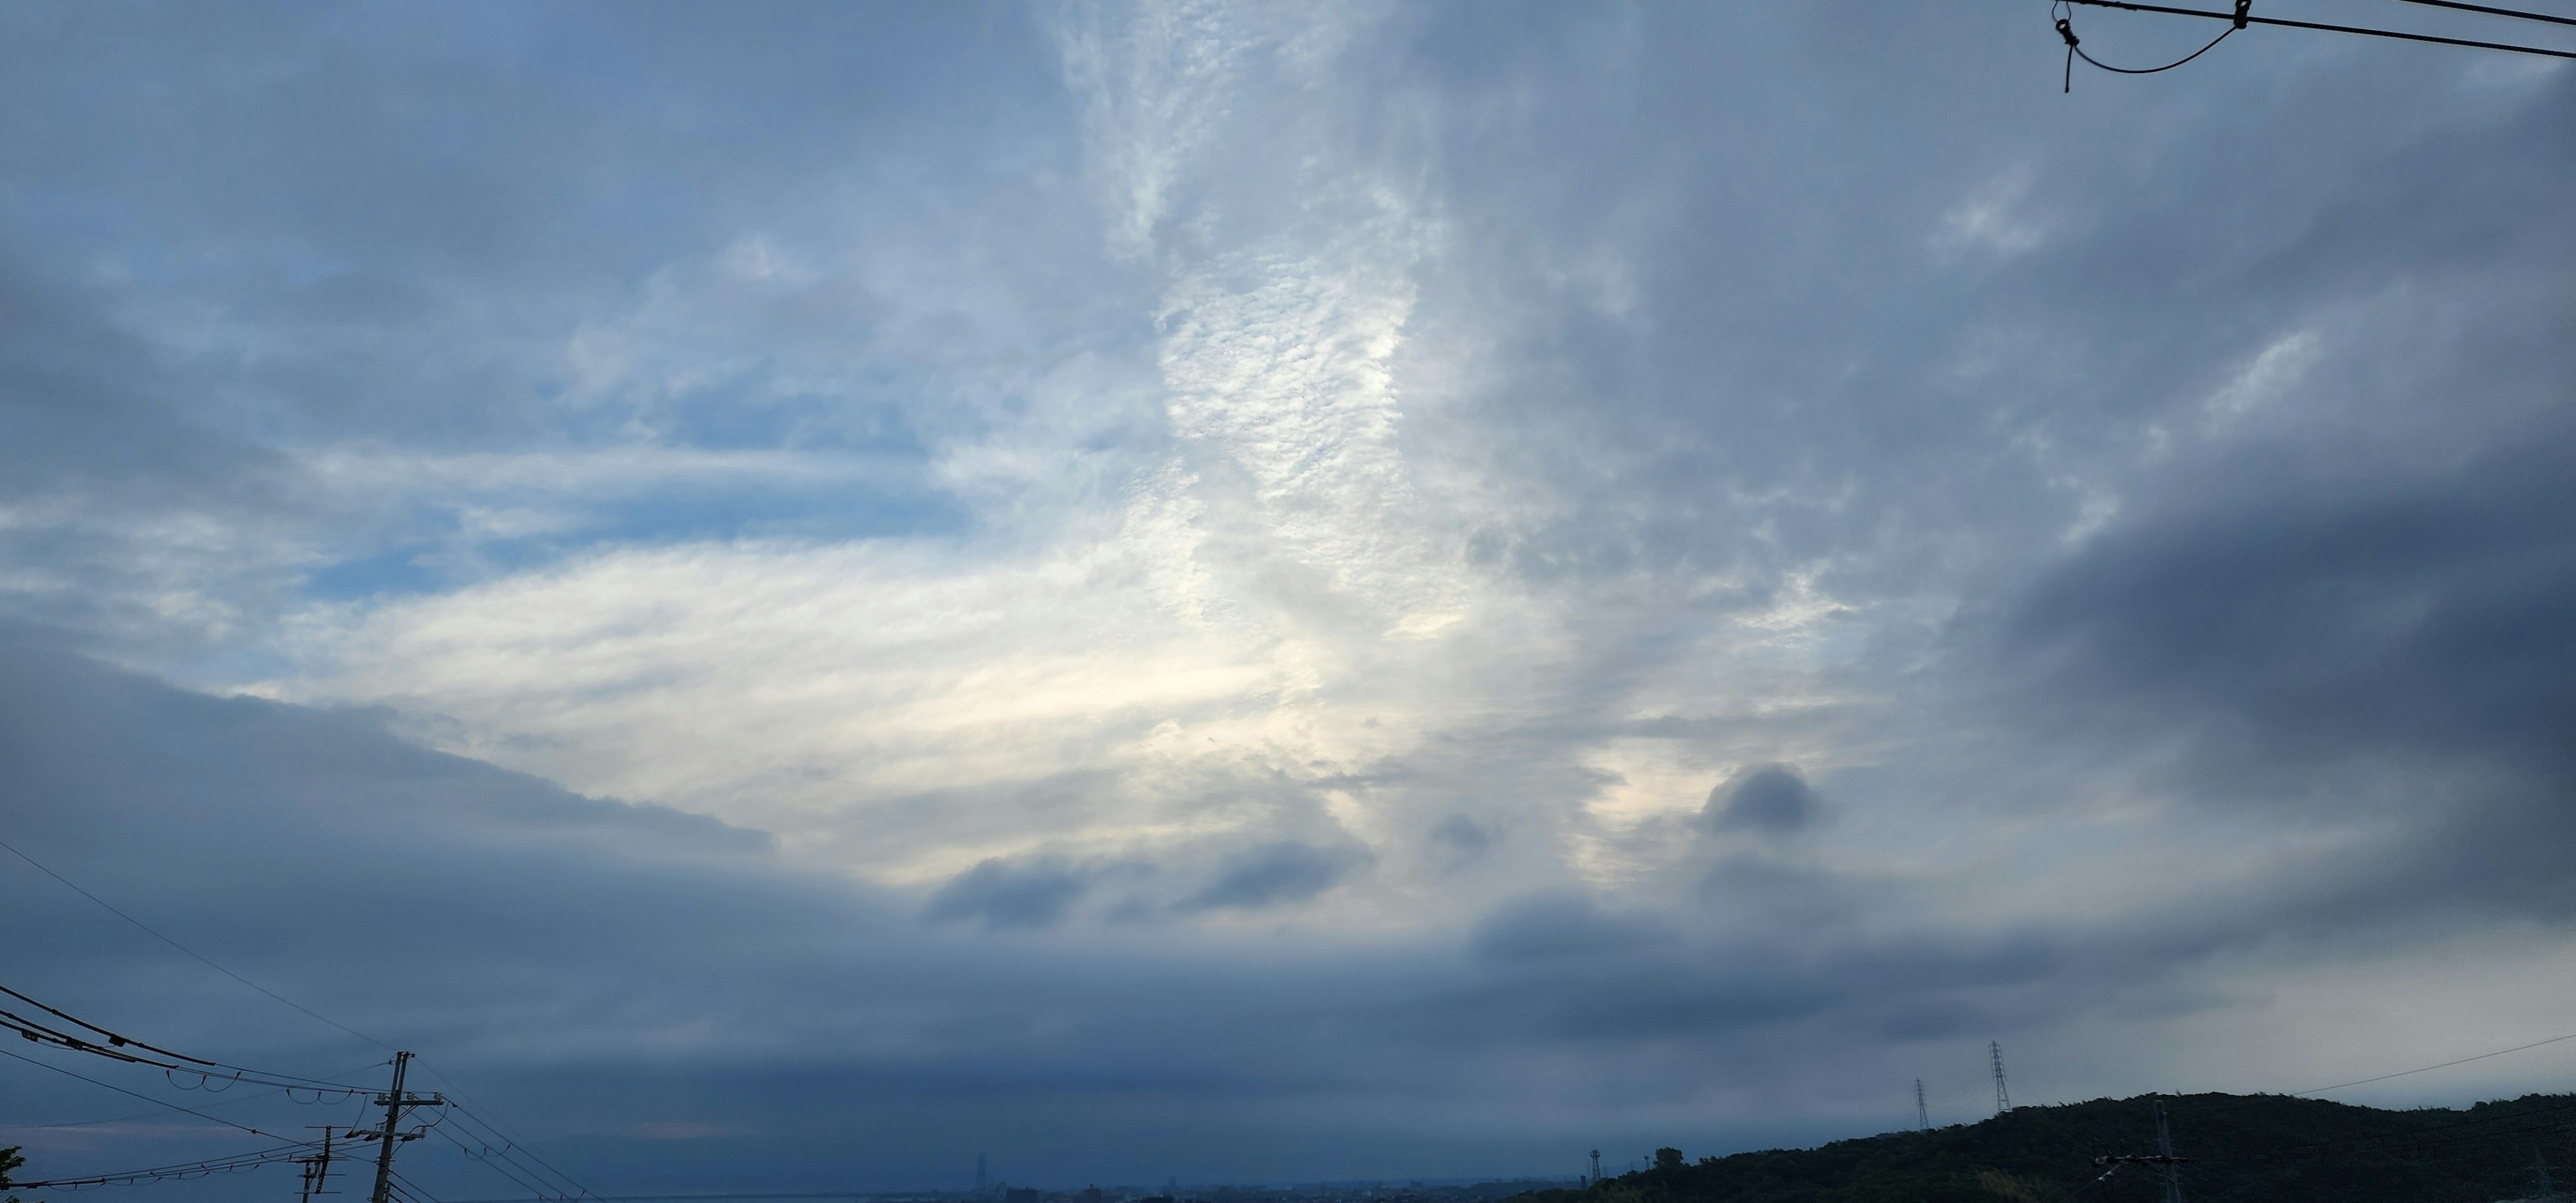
{"x":1247,"y":592}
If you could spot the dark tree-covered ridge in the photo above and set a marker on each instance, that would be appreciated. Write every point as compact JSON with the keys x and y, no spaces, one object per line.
{"x":2242,"y":1149}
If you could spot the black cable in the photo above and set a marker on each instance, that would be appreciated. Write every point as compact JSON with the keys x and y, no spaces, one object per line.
{"x":467,"y":1107}
{"x":145,"y":1097}
{"x":40,"y":1034}
{"x":510,"y":1144}
{"x":289,"y":1091}
{"x":2075,"y":50}
{"x":2494,"y":12}
{"x":208,"y":1165}
{"x":112,"y":1037}
{"x":413,"y":1188}
{"x":2445,"y":1065}
{"x":147,"y":930}
{"x":2286,"y":23}
{"x":496,"y":1163}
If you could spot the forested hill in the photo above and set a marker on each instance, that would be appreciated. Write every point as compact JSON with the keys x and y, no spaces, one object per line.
{"x":2243,"y":1149}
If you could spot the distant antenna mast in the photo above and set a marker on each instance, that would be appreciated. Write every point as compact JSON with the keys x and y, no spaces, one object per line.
{"x":1922,"y":1115}
{"x":1596,"y":1165}
{"x":1995,"y":1056}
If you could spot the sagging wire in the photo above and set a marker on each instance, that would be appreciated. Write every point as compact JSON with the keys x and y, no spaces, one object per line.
{"x":41,"y":1033}
{"x":2065,"y":14}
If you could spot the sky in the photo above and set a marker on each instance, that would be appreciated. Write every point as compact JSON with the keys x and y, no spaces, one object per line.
{"x":1246,"y":592}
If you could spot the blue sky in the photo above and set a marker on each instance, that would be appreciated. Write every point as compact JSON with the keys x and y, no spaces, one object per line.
{"x":1277,"y":591}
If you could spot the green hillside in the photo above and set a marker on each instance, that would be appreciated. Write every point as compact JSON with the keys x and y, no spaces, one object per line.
{"x":2243,"y":1149}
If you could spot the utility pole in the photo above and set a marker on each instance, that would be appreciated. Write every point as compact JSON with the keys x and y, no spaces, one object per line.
{"x":1922,"y":1114}
{"x":395,"y":1102}
{"x":2164,"y":1149}
{"x":317,"y":1168}
{"x":2164,"y":1159}
{"x":1995,"y":1057}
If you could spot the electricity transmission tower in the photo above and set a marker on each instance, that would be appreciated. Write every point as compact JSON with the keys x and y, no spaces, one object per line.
{"x":395,"y":1102}
{"x":1995,"y":1057}
{"x":1922,"y":1114}
{"x":1596,"y":1165}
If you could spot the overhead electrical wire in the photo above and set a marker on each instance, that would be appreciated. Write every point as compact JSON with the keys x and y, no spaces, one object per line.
{"x":469,"y":1109}
{"x":184,"y":1169}
{"x":2516,"y":13}
{"x":2240,"y":19}
{"x":2429,"y":1068}
{"x":119,"y":1119}
{"x":412,"y":1189}
{"x":509,"y":1139}
{"x":508,"y":1151}
{"x":2075,"y":48}
{"x":497,"y":1165}
{"x":145,"y":1097}
{"x":148,"y":930}
{"x":115,"y":1050}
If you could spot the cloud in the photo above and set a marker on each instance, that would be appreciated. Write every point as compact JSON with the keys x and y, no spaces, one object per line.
{"x":1274,"y":874}
{"x":1459,"y":840}
{"x":1006,"y":895}
{"x":1560,"y":927}
{"x":1771,"y":799}
{"x":1170,"y":581}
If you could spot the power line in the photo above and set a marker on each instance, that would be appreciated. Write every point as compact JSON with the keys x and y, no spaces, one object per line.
{"x":2075,"y":48}
{"x":119,"y":1041}
{"x":148,"y":930}
{"x":2429,"y":1068}
{"x":471,"y":1111}
{"x":145,"y":1097}
{"x":184,"y":1169}
{"x":41,"y":1034}
{"x":2553,"y":18}
{"x":508,"y":1138}
{"x":2326,"y":28}
{"x":119,"y":1119}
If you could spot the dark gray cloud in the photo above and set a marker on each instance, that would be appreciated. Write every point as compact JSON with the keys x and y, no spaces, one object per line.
{"x":1769,"y":799}
{"x":1003,"y":894}
{"x":1458,"y":840}
{"x":1279,"y":872}
{"x":1559,"y":927}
